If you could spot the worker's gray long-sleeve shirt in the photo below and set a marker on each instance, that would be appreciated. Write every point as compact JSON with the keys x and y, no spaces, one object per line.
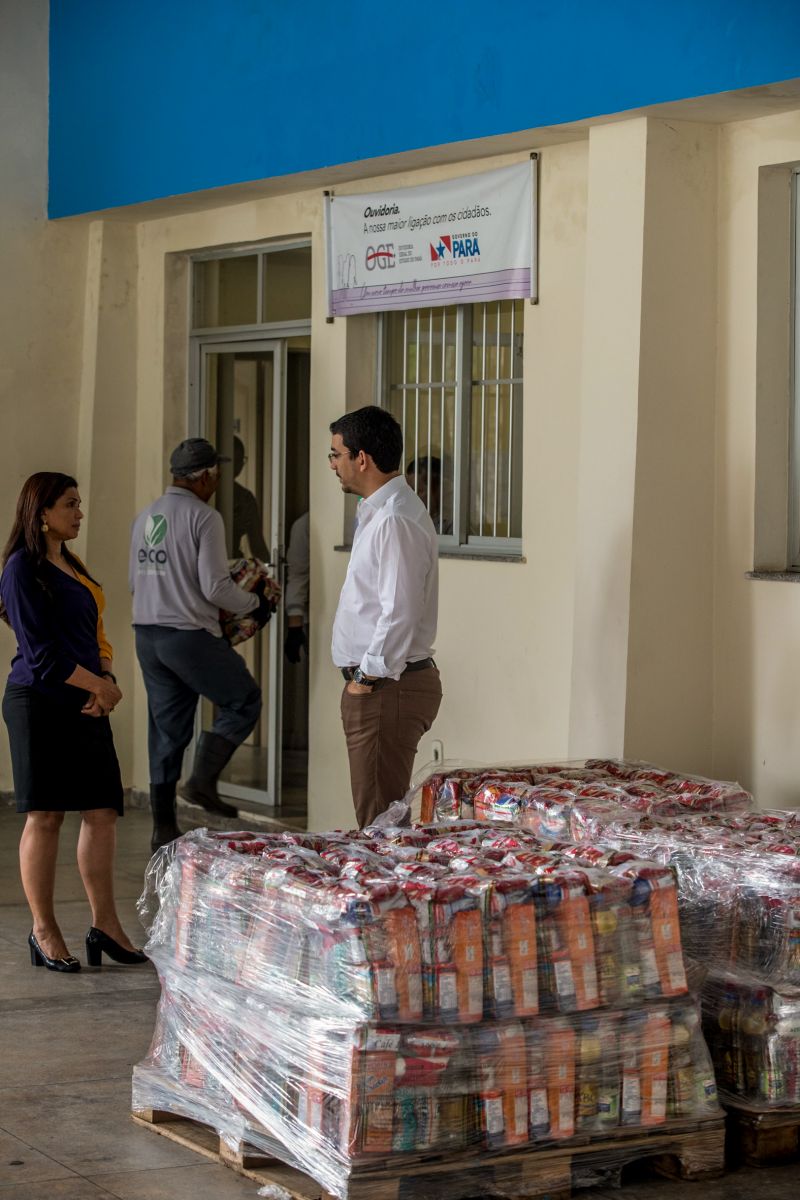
{"x":179,"y":572}
{"x":295,"y":597}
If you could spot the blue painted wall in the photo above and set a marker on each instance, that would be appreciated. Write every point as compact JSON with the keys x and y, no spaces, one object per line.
{"x":151,"y":98}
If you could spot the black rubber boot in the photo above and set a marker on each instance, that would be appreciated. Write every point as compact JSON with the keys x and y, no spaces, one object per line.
{"x":213,"y":754}
{"x":162,"y":805}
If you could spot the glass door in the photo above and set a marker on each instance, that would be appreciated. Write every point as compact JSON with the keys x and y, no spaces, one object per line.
{"x":242,"y":397}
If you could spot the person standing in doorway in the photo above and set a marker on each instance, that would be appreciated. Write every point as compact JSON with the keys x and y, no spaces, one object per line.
{"x":180,"y":579}
{"x":385,"y":624}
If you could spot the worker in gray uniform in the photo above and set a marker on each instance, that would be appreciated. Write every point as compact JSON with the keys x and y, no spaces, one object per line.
{"x":180,"y":579}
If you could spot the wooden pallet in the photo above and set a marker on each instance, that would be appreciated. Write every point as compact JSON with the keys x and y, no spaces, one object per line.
{"x":762,"y":1139}
{"x":686,"y":1150}
{"x":243,"y":1159}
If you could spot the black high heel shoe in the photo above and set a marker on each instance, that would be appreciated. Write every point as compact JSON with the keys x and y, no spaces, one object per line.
{"x":40,"y":959}
{"x":97,"y":942}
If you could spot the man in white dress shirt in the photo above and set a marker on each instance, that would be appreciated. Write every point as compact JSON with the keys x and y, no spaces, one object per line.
{"x":385,"y":624}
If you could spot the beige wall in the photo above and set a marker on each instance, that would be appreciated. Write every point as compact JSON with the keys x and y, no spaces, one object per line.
{"x":756,"y":624}
{"x":629,"y":625}
{"x":505,"y":633}
{"x":606,"y":445}
{"x":668,"y":701}
{"x":42,"y":272}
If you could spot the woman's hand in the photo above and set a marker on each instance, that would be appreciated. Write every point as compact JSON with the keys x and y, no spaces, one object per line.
{"x":105,"y":696}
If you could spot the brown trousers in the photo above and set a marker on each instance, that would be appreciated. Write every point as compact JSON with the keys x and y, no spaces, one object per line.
{"x":383,"y":729}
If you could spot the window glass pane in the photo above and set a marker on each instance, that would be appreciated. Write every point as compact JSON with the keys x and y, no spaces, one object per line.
{"x":478,"y":341}
{"x":423,"y":341}
{"x":445,"y":523}
{"x":422,"y":390}
{"x":420,"y":360}
{"x":225,"y":292}
{"x":287,"y":284}
{"x":495,"y":420}
{"x":491,"y":338}
{"x":450,"y":325}
{"x":477,"y":460}
{"x":515,"y":460}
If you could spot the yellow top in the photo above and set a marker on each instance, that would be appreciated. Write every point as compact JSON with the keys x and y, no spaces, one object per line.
{"x":102,"y":641}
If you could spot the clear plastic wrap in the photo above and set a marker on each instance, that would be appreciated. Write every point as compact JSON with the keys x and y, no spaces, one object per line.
{"x":738,"y":877}
{"x":555,"y":799}
{"x":739,"y":898}
{"x":337,"y":1000}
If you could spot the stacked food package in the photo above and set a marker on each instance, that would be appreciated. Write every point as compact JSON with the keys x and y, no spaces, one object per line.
{"x":341,"y":999}
{"x":739,"y":888}
{"x":738,"y":874}
{"x":558,"y":801}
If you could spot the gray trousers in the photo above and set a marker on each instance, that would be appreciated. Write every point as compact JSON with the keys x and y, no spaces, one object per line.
{"x":179,"y":666}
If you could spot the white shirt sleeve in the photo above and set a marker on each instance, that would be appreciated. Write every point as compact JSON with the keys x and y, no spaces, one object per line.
{"x":213,"y":571}
{"x":404,"y":562}
{"x":297,"y":562}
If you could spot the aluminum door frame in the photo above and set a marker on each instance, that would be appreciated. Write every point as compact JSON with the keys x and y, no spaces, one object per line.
{"x":274,"y":631}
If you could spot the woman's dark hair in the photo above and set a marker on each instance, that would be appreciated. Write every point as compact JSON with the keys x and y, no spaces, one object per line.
{"x":39,"y":491}
{"x":376,"y":432}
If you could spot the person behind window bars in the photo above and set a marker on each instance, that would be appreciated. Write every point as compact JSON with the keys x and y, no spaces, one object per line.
{"x":180,"y":579}
{"x":424,"y":475}
{"x":385,"y":624}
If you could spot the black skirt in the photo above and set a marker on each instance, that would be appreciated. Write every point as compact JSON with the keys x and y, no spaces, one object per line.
{"x":62,"y":760}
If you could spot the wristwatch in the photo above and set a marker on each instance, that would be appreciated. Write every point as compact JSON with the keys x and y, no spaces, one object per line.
{"x":364,"y":680}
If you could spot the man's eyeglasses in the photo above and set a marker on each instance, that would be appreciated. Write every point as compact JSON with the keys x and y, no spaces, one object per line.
{"x":334,"y":454}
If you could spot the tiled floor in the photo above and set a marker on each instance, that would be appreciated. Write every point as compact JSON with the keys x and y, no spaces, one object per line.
{"x":68,"y":1042}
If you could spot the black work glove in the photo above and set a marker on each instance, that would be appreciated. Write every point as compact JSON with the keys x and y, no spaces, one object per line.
{"x":294,"y":643}
{"x":266,"y":608}
{"x":267,"y":604}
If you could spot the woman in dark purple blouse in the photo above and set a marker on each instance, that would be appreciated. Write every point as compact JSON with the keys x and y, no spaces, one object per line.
{"x":58,"y":696}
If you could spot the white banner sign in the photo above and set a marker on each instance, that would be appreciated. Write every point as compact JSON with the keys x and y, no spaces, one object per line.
{"x":458,"y":242}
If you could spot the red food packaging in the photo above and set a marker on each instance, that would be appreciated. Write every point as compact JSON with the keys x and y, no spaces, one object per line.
{"x":514,"y":1083}
{"x":654,"y":1060}
{"x":467,"y":948}
{"x":560,"y":1069}
{"x":403,"y":947}
{"x":367,"y":1115}
{"x":520,"y":945}
{"x":428,"y":800}
{"x":574,"y":922}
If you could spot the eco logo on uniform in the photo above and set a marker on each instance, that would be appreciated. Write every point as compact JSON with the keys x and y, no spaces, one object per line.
{"x":155,"y":529}
{"x":152,"y":560}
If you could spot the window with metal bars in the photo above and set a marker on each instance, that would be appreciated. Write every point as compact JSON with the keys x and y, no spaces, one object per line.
{"x":453,"y":379}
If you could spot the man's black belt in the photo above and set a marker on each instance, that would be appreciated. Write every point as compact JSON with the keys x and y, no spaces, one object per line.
{"x":423,"y":664}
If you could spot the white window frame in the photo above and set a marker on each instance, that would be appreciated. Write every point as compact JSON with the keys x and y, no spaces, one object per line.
{"x":461,"y":542}
{"x":260,"y":251}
